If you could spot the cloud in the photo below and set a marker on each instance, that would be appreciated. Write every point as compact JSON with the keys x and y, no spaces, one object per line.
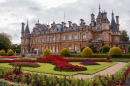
{"x":14,"y":12}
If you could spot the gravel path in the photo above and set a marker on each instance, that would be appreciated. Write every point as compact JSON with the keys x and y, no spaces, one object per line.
{"x":108,"y":71}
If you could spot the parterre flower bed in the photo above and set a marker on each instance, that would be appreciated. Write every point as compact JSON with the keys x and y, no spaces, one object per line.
{"x":9,"y":61}
{"x":9,"y":57}
{"x":88,"y":59}
{"x":89,"y":63}
{"x":61,"y":63}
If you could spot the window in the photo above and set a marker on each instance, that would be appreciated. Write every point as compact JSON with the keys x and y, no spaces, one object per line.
{"x":76,"y":47}
{"x":84,"y":36}
{"x":75,"y":37}
{"x":104,"y":27}
{"x":98,"y":37}
{"x":104,"y":36}
{"x":42,"y":39}
{"x":70,"y":37}
{"x":64,"y":37}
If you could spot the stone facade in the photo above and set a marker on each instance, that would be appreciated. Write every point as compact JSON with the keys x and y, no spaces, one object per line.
{"x":100,"y":32}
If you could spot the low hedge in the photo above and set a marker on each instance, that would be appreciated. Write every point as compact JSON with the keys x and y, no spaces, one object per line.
{"x":8,"y":83}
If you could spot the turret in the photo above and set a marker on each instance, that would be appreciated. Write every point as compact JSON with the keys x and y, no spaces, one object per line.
{"x":92,"y":19}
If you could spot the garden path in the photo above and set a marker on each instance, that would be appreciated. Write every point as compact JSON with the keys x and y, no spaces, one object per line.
{"x":109,"y":71}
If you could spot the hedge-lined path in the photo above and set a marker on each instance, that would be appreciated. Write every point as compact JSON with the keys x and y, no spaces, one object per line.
{"x":109,"y":71}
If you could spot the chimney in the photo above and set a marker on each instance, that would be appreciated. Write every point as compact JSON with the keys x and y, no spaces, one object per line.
{"x":22,"y":27}
{"x":82,"y":21}
{"x":70,"y":23}
{"x":63,"y":24}
{"x":117,"y":19}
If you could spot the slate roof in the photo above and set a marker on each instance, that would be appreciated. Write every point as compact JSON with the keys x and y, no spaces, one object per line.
{"x":27,"y":29}
{"x":113,"y":23}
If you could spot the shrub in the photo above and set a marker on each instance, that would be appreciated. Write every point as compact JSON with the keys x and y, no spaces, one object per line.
{"x":81,"y":49}
{"x":87,"y":52}
{"x":129,"y":48}
{"x":2,"y":53}
{"x":10,"y":52}
{"x":65,"y":52}
{"x":115,"y":52}
{"x":105,"y":49}
{"x":46,"y":52}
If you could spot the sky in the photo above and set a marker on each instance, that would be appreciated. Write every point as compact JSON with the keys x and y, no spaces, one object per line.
{"x":14,"y":12}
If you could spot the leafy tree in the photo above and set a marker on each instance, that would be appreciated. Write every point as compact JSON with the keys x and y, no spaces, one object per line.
{"x":5,"y":42}
{"x":124,"y":37}
{"x":93,"y":48}
{"x":16,"y":48}
{"x":105,"y":49}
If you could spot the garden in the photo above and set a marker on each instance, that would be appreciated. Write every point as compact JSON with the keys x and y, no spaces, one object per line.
{"x":60,"y":69}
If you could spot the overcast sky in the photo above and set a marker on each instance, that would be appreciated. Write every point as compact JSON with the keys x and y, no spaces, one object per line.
{"x":14,"y":12}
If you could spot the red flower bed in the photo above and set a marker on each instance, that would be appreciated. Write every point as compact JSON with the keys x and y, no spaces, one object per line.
{"x":61,"y":63}
{"x":88,"y":59}
{"x":9,"y":56}
{"x":9,"y":61}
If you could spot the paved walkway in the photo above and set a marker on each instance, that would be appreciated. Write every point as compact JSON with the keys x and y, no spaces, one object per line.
{"x":108,"y":71}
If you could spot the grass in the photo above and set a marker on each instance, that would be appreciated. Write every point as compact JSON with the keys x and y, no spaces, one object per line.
{"x":49,"y":68}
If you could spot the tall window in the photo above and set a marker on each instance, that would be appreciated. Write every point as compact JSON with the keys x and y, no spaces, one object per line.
{"x":104,"y":36}
{"x":98,"y":37}
{"x":64,"y":37}
{"x":104,"y":26}
{"x":84,"y":36}
{"x":76,"y":47}
{"x":42,"y":39}
{"x":70,"y":37}
{"x":75,"y":37}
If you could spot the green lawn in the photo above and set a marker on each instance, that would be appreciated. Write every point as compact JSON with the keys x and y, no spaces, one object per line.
{"x":49,"y":68}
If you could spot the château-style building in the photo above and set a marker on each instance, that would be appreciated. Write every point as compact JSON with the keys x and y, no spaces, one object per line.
{"x":100,"y":32}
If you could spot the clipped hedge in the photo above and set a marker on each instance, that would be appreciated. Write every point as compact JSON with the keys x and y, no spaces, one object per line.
{"x":65,"y":52}
{"x":8,"y":83}
{"x":87,"y":53}
{"x":105,"y":49}
{"x":115,"y":52}
{"x":2,"y":53}
{"x":46,"y":52}
{"x":10,"y":52}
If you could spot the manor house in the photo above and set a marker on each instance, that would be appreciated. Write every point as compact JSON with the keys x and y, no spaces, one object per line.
{"x":56,"y":36}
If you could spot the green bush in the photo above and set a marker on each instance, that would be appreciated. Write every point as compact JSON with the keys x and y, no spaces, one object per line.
{"x":10,"y":52}
{"x":105,"y":49}
{"x":2,"y":53}
{"x":46,"y":52}
{"x":115,"y":52}
{"x":129,"y":49}
{"x":87,"y":52}
{"x":65,"y":52}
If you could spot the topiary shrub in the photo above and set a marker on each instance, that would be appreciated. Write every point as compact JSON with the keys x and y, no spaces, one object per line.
{"x":105,"y":49}
{"x":65,"y":52}
{"x":87,"y":52}
{"x":46,"y":52}
{"x":115,"y":52}
{"x":129,"y":48}
{"x":2,"y":53}
{"x":10,"y":52}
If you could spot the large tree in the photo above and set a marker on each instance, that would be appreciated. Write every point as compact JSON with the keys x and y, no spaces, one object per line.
{"x":124,"y":37}
{"x":5,"y":42}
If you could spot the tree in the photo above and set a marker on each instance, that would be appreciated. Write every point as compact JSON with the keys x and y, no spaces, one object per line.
{"x":93,"y":48}
{"x":5,"y":42}
{"x":124,"y":37}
